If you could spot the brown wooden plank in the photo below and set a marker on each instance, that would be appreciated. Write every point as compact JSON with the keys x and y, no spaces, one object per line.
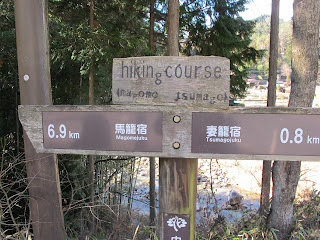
{"x":196,"y":80}
{"x":173,"y":132}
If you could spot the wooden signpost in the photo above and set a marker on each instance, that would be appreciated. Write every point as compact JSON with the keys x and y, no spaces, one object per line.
{"x":31,"y":20}
{"x":178,"y":132}
{"x":174,"y":107}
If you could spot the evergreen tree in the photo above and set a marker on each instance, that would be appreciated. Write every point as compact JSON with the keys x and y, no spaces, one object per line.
{"x":120,"y":30}
{"x":261,"y":40}
{"x":214,"y":28}
{"x":9,"y":88}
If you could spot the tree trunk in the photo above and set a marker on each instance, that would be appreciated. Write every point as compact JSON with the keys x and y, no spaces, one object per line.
{"x":151,"y":34}
{"x":91,"y":102}
{"x":265,"y":188}
{"x":91,"y":190}
{"x":274,"y":39}
{"x":152,"y":171}
{"x":305,"y":42}
{"x":152,"y":191}
{"x":173,"y":28}
{"x":31,"y":17}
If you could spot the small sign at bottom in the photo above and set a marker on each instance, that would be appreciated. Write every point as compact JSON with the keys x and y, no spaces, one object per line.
{"x":176,"y":226}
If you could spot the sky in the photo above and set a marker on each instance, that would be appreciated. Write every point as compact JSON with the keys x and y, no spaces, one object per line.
{"x":257,"y":8}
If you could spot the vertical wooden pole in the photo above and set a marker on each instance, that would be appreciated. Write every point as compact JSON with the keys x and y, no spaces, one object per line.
{"x":177,"y":176}
{"x":178,"y":189}
{"x":31,"y":18}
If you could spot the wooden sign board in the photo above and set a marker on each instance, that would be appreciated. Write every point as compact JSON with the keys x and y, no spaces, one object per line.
{"x":236,"y":133}
{"x":110,"y":131}
{"x":266,"y":134}
{"x":190,"y":81}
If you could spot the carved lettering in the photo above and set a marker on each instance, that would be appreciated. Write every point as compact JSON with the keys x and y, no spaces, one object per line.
{"x":206,"y":97}
{"x":208,"y":73}
{"x":196,"y":71}
{"x":186,"y":72}
{"x":139,"y":94}
{"x":178,"y":71}
{"x":197,"y":80}
{"x":217,"y":72}
{"x":137,"y":71}
{"x":166,"y":71}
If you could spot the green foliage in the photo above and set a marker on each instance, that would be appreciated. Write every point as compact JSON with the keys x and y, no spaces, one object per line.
{"x":9,"y":94}
{"x":227,"y":35}
{"x":152,"y":232}
{"x":261,"y":41}
{"x":120,"y":30}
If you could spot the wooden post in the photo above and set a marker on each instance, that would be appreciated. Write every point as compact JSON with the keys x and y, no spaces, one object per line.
{"x":178,"y":189}
{"x":177,"y":176}
{"x":35,"y":89}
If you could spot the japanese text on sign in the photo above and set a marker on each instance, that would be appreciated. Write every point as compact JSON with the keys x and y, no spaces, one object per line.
{"x":260,"y":134}
{"x":131,"y":131}
{"x":225,"y":134}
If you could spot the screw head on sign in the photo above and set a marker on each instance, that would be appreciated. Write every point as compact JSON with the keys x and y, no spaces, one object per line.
{"x":176,"y":145}
{"x":26,"y":77}
{"x":176,"y":119}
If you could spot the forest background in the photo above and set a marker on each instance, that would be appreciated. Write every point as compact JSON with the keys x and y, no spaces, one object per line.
{"x":120,"y":29}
